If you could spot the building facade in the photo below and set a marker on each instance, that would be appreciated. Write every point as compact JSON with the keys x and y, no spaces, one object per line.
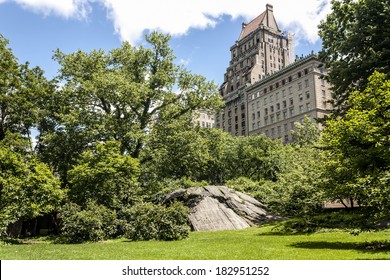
{"x":285,"y":97}
{"x":261,"y":50}
{"x":204,"y":118}
{"x":266,"y":88}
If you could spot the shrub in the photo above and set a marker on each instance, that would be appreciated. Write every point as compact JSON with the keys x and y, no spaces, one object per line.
{"x":147,"y":221}
{"x":93,"y":223}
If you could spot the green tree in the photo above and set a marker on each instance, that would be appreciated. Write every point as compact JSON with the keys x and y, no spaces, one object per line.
{"x":306,"y":133}
{"x":358,"y":149}
{"x":253,"y":157}
{"x":22,"y":91}
{"x":120,"y":95}
{"x":355,"y":42}
{"x":27,"y":187}
{"x":105,"y":176}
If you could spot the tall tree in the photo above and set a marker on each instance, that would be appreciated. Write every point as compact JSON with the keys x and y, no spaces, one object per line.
{"x":355,"y":42}
{"x":358,"y":149}
{"x":121,"y":94}
{"x":22,"y":91}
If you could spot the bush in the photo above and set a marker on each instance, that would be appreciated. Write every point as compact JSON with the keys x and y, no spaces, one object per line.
{"x":147,"y":221}
{"x":93,"y":223}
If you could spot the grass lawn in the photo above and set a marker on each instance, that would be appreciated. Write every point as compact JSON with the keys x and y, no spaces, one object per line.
{"x":248,"y":244}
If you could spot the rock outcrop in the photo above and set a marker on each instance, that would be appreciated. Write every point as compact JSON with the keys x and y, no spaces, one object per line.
{"x":220,"y":208}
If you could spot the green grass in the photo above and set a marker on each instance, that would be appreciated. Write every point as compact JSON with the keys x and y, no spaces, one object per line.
{"x":248,"y":244}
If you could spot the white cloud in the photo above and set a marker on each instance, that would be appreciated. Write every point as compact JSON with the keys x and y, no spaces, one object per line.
{"x":132,"y":18}
{"x":177,"y":17}
{"x":64,"y":8}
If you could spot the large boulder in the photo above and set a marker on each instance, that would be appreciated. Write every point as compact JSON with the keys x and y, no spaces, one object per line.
{"x":220,"y":208}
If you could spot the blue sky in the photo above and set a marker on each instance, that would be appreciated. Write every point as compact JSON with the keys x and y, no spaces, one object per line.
{"x":202,"y":30}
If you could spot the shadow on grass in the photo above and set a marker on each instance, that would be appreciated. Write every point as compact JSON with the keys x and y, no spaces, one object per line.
{"x":51,"y":239}
{"x":366,"y":247}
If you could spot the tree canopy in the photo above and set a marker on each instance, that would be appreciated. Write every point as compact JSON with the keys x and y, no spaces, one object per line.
{"x":355,"y":42}
{"x":358,"y":148}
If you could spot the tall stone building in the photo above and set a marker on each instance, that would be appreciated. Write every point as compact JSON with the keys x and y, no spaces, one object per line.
{"x":285,"y":97}
{"x":261,"y":50}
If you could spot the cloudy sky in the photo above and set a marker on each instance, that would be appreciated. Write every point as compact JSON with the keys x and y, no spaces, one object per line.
{"x":202,"y":30}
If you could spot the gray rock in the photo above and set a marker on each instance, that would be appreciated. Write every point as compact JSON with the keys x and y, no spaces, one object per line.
{"x":220,"y":208}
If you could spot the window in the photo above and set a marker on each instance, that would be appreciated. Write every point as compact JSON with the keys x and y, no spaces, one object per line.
{"x":258,"y":114}
{"x":299,"y":86}
{"x":272,"y":119}
{"x":291,"y":101}
{"x":290,"y":79}
{"x":272,"y":109}
{"x":257,"y":104}
{"x":265,"y":120}
{"x":290,"y":90}
{"x":266,"y":111}
{"x":285,"y":138}
{"x":283,"y":93}
{"x":301,"y":109}
{"x":306,"y":83}
{"x":284,"y":104}
{"x":307,"y":94}
{"x":265,"y":100}
{"x":299,"y":74}
{"x":323,"y":93}
{"x":284,"y":115}
{"x":285,"y":127}
{"x":306,"y":71}
{"x":277,"y":96}
{"x":253,"y":116}
{"x":300,"y":97}
{"x":308,"y":107}
{"x":278,"y":117}
{"x":273,"y":131}
{"x":277,"y":106}
{"x":291,"y":112}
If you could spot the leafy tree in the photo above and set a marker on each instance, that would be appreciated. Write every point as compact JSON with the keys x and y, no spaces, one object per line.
{"x":253,"y":157}
{"x":27,"y":187}
{"x":22,"y":91}
{"x":306,"y":133}
{"x":355,"y":42}
{"x":358,"y":148}
{"x":121,"y":94}
{"x":105,"y":176}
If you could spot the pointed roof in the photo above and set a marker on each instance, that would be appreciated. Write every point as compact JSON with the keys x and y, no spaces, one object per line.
{"x":266,"y":18}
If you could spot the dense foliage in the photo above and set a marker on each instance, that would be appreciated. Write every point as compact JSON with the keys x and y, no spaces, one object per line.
{"x":149,"y":221}
{"x":355,"y":42}
{"x":92,"y":223}
{"x":358,"y":149}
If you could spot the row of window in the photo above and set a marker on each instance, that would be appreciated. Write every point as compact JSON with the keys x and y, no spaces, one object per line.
{"x":272,"y":118}
{"x":277,"y":95}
